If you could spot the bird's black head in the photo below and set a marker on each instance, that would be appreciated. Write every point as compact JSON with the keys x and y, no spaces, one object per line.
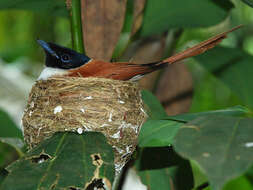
{"x":62,"y":57}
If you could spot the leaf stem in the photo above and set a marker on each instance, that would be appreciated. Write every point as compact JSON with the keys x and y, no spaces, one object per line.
{"x":116,"y":182}
{"x":20,"y":152}
{"x":76,"y":26}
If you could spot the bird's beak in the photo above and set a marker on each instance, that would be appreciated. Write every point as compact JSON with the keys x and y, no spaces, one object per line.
{"x":47,"y":48}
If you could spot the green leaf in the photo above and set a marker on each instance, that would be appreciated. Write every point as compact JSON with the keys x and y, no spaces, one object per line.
{"x":162,"y":167}
{"x":210,"y":93}
{"x":65,"y":161}
{"x":156,"y":178}
{"x":221,"y":145}
{"x":7,"y":127}
{"x":156,"y":110}
{"x":249,"y":174}
{"x":155,"y":133}
{"x":248,"y":2}
{"x":238,"y":111}
{"x":14,"y":142}
{"x":239,"y":183}
{"x":198,"y":176}
{"x":7,"y":155}
{"x":55,"y":7}
{"x":125,"y":35}
{"x":3,"y":174}
{"x":161,"y":15}
{"x":233,"y":67}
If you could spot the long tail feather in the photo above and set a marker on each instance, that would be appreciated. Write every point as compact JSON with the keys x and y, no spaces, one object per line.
{"x":200,"y":48}
{"x":133,"y":71}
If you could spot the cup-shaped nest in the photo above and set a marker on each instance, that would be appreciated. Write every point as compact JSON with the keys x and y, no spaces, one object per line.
{"x":112,"y":107}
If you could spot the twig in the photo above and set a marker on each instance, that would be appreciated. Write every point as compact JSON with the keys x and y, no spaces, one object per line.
{"x":76,"y":26}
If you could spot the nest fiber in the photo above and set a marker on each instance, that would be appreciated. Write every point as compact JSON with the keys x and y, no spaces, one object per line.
{"x":112,"y":107}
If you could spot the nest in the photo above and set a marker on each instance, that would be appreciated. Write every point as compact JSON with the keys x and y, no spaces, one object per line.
{"x":112,"y":107}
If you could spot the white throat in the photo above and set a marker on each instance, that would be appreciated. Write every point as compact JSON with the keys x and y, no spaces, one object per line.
{"x":49,"y":72}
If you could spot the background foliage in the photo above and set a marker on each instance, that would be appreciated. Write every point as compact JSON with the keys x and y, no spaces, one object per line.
{"x":212,"y":141}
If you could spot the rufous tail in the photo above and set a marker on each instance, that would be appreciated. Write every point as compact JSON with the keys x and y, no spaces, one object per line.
{"x":200,"y":48}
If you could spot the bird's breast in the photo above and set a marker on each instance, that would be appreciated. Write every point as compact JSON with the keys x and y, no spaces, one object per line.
{"x":48,"y":72}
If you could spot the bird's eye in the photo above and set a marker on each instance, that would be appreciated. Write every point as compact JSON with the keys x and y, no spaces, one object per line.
{"x":65,"y":58}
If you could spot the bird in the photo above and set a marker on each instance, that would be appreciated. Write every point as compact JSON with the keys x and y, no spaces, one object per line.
{"x":65,"y":62}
